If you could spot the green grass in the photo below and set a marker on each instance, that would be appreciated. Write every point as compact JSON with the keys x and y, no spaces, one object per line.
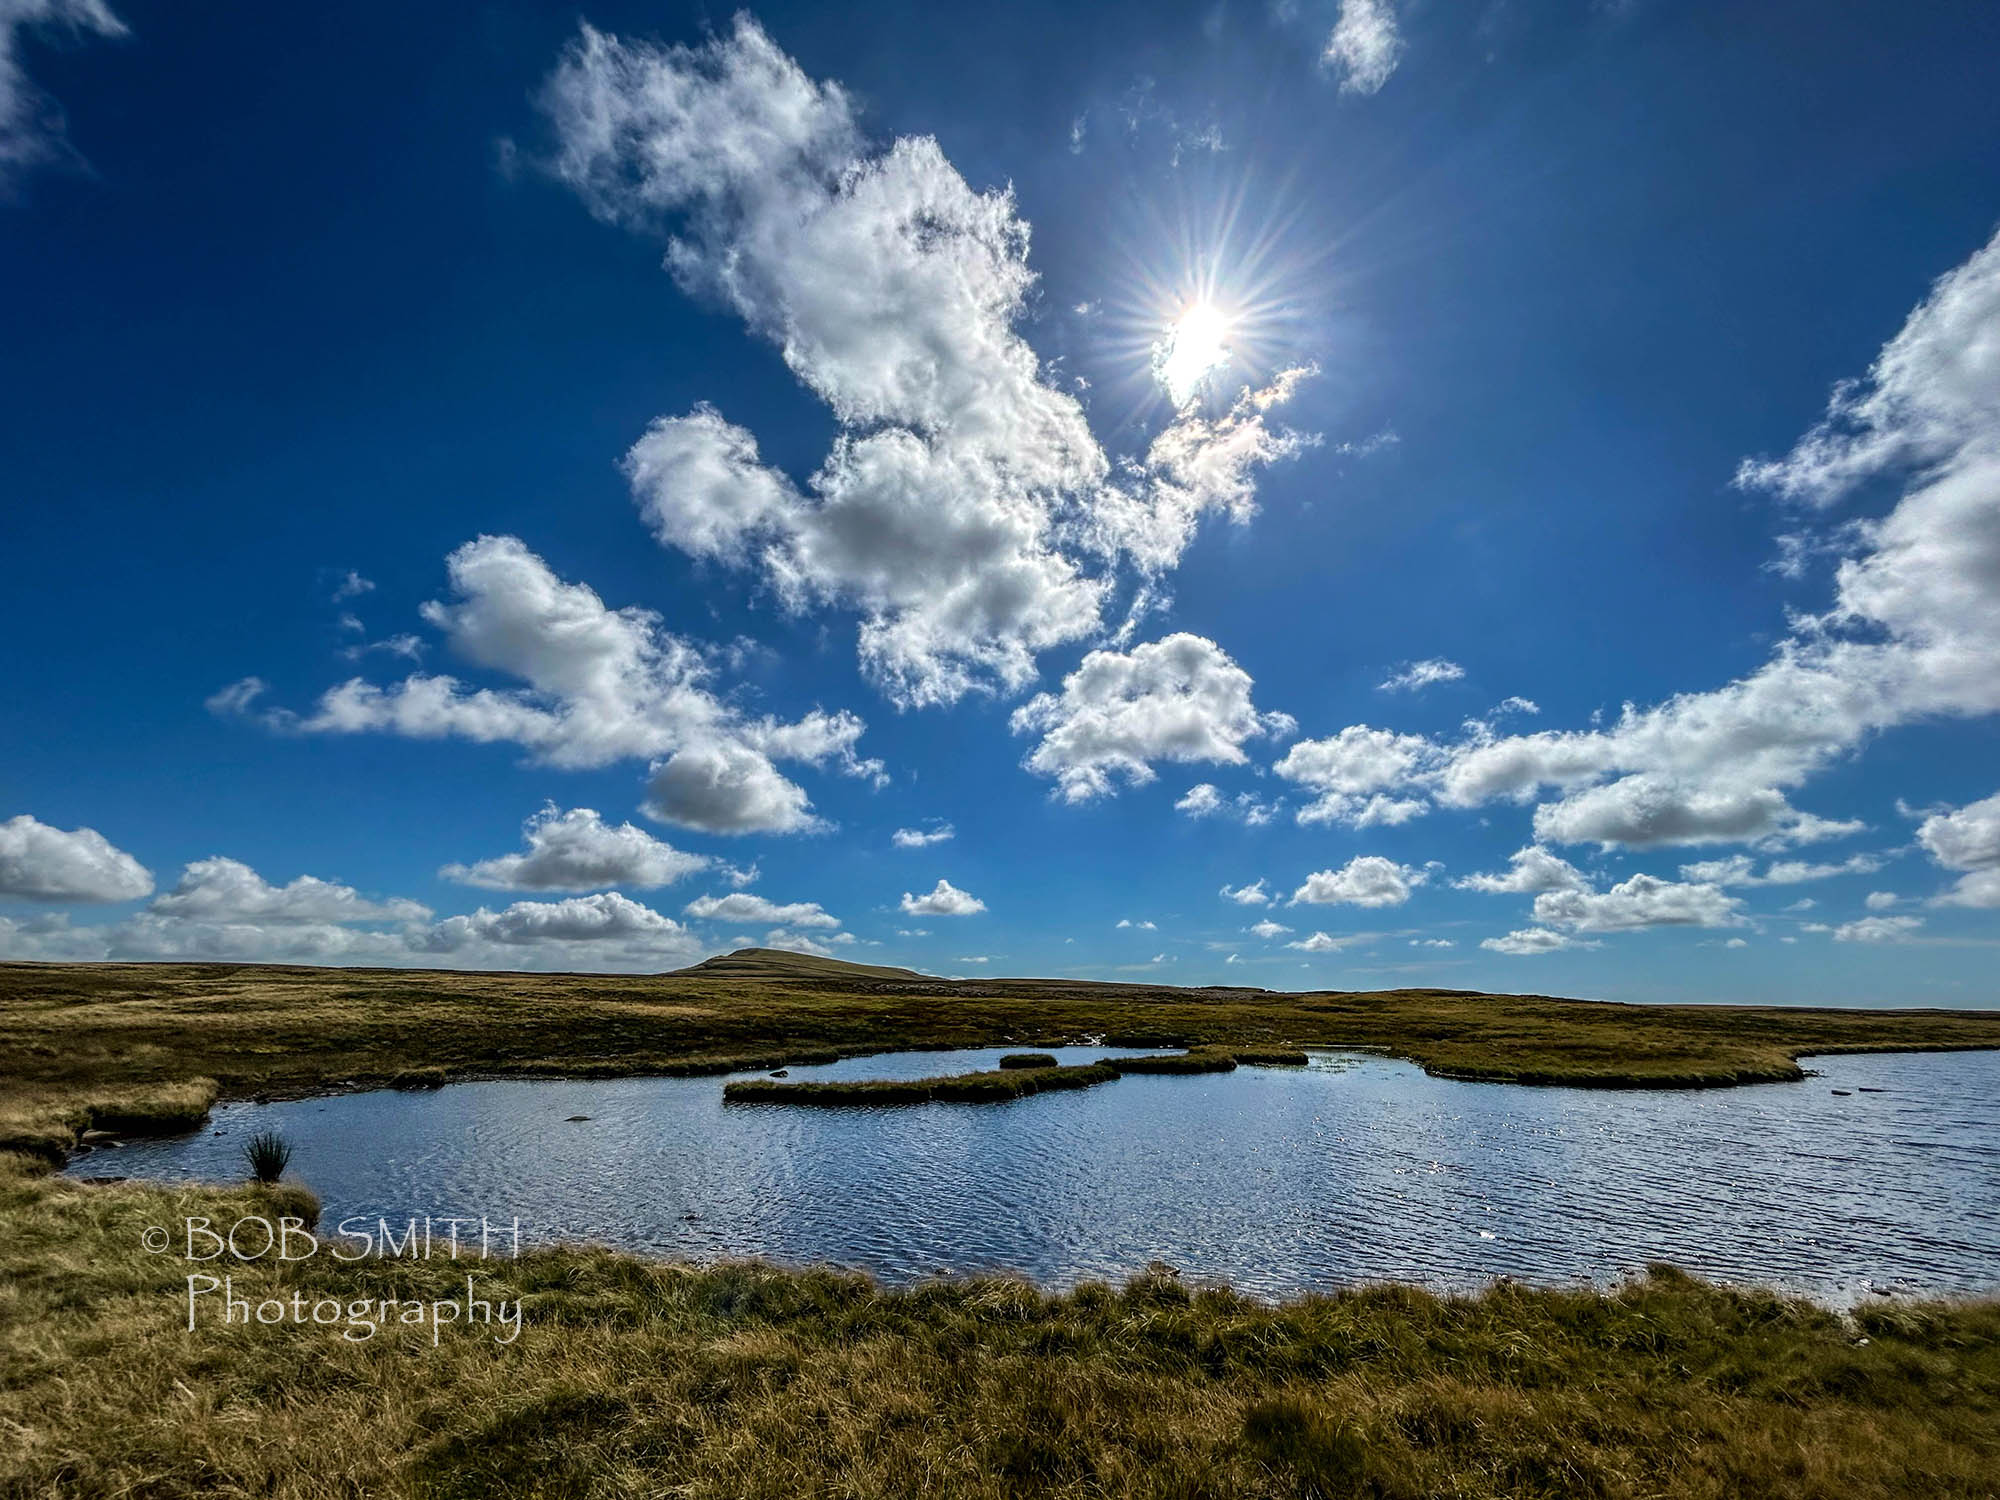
{"x":1199,"y":1060}
{"x":994,"y":1087}
{"x":137,"y":1047}
{"x":1028,"y":1060}
{"x":747,"y":1382}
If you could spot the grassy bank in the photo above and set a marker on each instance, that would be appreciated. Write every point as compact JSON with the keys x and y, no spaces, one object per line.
{"x":636,"y":1378}
{"x":995,"y":1086}
{"x":82,"y":1042}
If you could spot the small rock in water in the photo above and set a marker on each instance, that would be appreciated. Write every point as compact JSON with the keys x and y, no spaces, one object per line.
{"x":1843,"y":1093}
{"x":781,"y":1072}
{"x":576,"y":1119}
{"x":96,"y":1137}
{"x":1867,"y":1090}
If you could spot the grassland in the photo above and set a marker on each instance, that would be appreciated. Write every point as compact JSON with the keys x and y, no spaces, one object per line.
{"x":125,"y":1046}
{"x":745,"y":1382}
{"x":637,"y":1378}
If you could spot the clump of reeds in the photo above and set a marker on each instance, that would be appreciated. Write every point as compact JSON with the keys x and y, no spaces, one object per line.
{"x":267,"y":1154}
{"x":1028,"y":1060}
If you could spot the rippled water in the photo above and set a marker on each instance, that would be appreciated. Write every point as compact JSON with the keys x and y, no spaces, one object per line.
{"x":1276,"y":1180}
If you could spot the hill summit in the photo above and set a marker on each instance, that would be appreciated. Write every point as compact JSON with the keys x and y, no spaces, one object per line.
{"x":781,"y":963}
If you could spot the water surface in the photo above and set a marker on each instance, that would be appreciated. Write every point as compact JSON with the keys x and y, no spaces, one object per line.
{"x":1279,"y":1181}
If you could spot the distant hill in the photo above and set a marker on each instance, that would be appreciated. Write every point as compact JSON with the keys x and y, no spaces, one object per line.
{"x":778,"y":963}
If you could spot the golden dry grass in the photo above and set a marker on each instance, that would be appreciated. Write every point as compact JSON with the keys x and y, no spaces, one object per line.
{"x":634,"y":1378}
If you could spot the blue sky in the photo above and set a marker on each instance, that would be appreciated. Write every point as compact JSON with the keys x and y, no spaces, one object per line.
{"x":1350,"y":495}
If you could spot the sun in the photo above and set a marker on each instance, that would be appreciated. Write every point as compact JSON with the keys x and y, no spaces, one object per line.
{"x":1195,"y":347}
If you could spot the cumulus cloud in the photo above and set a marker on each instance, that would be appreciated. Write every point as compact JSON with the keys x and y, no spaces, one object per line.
{"x":579,"y":851}
{"x":1353,"y":772}
{"x":31,"y":124}
{"x":1741,"y":869}
{"x":1365,"y":880}
{"x":1530,"y":871}
{"x":1205,"y":800}
{"x":1910,"y":635}
{"x":1527,"y":942}
{"x":1267,"y":929}
{"x":1968,"y":839}
{"x":944,"y":900}
{"x":1640,"y":902}
{"x":964,"y":501}
{"x":40,"y":863}
{"x":223,"y":910}
{"x":1143,"y":926}
{"x":1878,"y":930}
{"x":1321,"y":942}
{"x":227,"y":890}
{"x":1414,"y":676}
{"x":741,"y":906}
{"x":1365,"y":45}
{"x":1176,"y":699}
{"x":922,"y":838}
{"x":1253,"y":894}
{"x":602,"y":685}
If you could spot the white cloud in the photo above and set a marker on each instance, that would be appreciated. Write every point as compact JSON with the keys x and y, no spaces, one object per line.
{"x":220,"y":890}
{"x":579,"y":851}
{"x":1911,"y":634}
{"x":1878,"y":930}
{"x":1432,"y":943}
{"x":1968,"y":839}
{"x":31,"y":124}
{"x":351,"y":586}
{"x":1253,"y":894}
{"x":1204,"y":800}
{"x":944,"y":900}
{"x":40,"y":863}
{"x":1321,"y":942}
{"x":1142,"y":926}
{"x":1365,"y":45}
{"x":1415,"y":676}
{"x":1644,"y":812}
{"x":1527,"y":942}
{"x":922,"y":838}
{"x":1740,"y":869}
{"x":1365,"y":880}
{"x":741,"y":906}
{"x":602,"y":685}
{"x":236,"y":698}
{"x":1353,"y":771}
{"x":964,"y":494}
{"x":1640,"y":902}
{"x":727,"y":786}
{"x":224,"y":911}
{"x":1531,"y":871}
{"x":1881,"y":900}
{"x":1176,"y":699}
{"x":1268,"y":929}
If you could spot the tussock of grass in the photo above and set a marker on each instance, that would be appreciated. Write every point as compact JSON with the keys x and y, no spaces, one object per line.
{"x":640,"y":1378}
{"x":1028,"y":1060}
{"x":995,"y":1087}
{"x":1199,"y":1060}
{"x":267,"y":1154}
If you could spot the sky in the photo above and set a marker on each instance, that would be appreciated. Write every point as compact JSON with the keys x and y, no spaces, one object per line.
{"x":1336,"y":495}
